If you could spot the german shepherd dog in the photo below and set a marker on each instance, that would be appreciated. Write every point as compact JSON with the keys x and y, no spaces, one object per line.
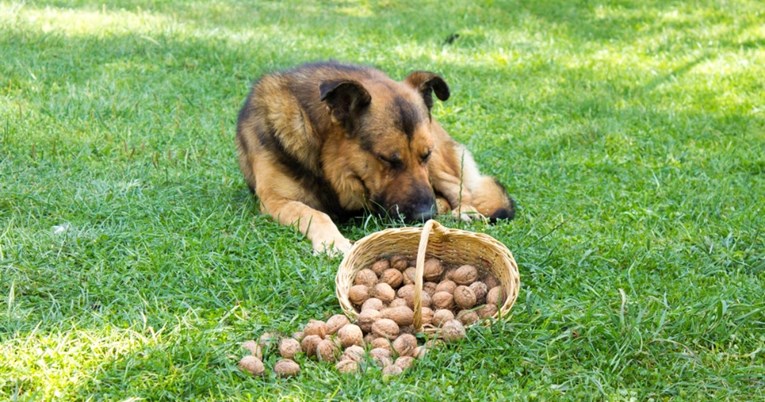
{"x":324,"y":142}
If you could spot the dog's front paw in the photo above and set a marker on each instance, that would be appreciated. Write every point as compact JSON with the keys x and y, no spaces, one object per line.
{"x":467,"y":213}
{"x":332,"y":247}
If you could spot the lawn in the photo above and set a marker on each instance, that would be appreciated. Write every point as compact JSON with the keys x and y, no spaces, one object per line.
{"x":133,"y":259}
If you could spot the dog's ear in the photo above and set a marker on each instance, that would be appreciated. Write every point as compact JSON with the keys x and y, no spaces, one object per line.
{"x":428,"y":83}
{"x":346,"y":100}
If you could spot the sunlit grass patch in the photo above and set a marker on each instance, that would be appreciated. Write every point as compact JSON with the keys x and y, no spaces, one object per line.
{"x":73,"y":22}
{"x":43,"y":364}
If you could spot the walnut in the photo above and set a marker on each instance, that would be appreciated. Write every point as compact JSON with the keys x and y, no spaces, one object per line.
{"x":491,"y":281}
{"x":496,"y":296}
{"x":467,"y":317}
{"x":367,"y":318}
{"x":443,"y":300}
{"x":347,"y":366}
{"x":351,"y":334}
{"x":336,"y":322}
{"x":464,"y":275}
{"x":399,"y":262}
{"x":433,"y":269}
{"x":316,"y":327}
{"x":386,"y":328}
{"x":353,"y":352}
{"x":480,"y":290}
{"x":398,"y":302}
{"x":365,"y":277}
{"x":487,"y":311}
{"x":404,"y":362}
{"x":446,"y":286}
{"x":252,"y":365}
{"x":429,"y":288}
{"x":254,"y":348}
{"x":464,"y":297}
{"x":402,"y":315}
{"x":391,"y":370}
{"x":380,"y":266}
{"x":372,"y":303}
{"x":384,"y":292}
{"x":289,"y":347}
{"x":409,"y":275}
{"x":358,"y":294}
{"x":452,"y":330}
{"x":405,"y":345}
{"x":326,"y":350}
{"x":309,"y":343}
{"x":392,"y":277}
{"x":286,"y":368}
{"x":442,"y":316}
{"x":381,"y":357}
{"x":427,"y":316}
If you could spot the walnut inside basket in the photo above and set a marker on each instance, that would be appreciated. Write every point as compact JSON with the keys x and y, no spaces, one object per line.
{"x":456,"y":251}
{"x":459,"y":300}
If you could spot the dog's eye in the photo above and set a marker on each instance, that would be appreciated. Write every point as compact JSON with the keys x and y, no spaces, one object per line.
{"x":426,"y":156}
{"x":393,"y":161}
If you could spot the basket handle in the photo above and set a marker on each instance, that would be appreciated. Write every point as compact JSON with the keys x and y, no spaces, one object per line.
{"x":429,"y":226}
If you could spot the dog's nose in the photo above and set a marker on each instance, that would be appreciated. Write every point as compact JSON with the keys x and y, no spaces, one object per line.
{"x":422,"y":211}
{"x":424,"y":215}
{"x":419,"y":205}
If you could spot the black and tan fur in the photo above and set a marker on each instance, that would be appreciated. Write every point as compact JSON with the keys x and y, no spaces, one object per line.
{"x":327,"y":141}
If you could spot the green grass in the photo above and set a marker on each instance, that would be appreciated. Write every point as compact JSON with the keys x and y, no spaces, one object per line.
{"x":631,"y":133}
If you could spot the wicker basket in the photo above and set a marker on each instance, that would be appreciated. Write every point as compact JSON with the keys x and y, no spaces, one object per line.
{"x":452,"y":246}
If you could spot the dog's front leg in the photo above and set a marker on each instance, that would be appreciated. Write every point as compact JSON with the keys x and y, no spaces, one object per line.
{"x":315,"y":225}
{"x":286,"y":201}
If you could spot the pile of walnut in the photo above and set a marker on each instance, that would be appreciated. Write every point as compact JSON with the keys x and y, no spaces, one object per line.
{"x":383,"y":295}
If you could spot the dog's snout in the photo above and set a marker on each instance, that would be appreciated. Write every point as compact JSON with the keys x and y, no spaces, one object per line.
{"x":421,"y":207}
{"x":416,"y":206}
{"x":424,"y":212}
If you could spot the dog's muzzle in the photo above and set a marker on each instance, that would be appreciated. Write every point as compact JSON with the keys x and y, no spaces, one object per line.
{"x":419,"y":207}
{"x":421,"y":212}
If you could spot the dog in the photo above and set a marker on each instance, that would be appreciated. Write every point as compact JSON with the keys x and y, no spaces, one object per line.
{"x":327,"y":141}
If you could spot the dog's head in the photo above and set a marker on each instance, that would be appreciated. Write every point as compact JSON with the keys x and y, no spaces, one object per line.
{"x":389,"y":122}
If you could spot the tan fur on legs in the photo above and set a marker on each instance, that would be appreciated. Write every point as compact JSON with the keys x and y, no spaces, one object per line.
{"x":282,"y":199}
{"x":456,"y":177}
